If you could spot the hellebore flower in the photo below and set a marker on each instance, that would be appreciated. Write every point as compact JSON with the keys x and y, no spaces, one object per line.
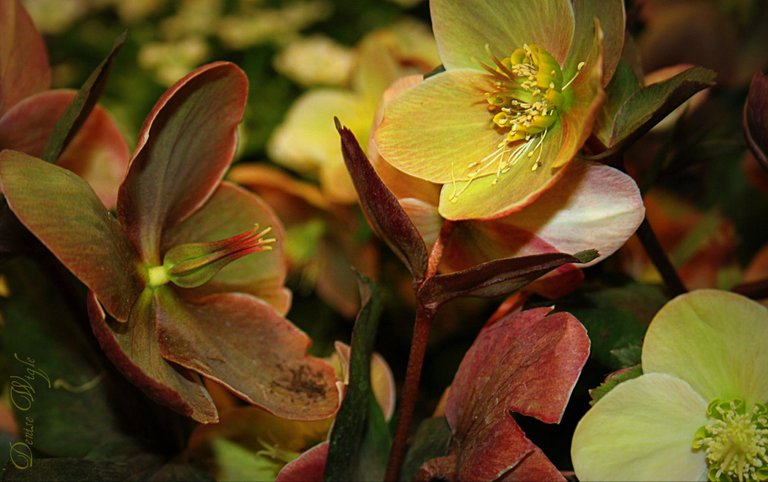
{"x":167,"y":303}
{"x":522,"y":85}
{"x":698,"y":411}
{"x":29,"y":112}
{"x":307,"y":141}
{"x":527,"y":363}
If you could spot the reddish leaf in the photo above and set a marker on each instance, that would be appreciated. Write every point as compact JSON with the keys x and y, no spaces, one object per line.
{"x":756,"y":118}
{"x":191,"y":130}
{"x":381,"y":208}
{"x":255,"y":352}
{"x":23,"y":60}
{"x":528,"y":363}
{"x":496,"y":278}
{"x":61,"y":210}
{"x":308,"y":467}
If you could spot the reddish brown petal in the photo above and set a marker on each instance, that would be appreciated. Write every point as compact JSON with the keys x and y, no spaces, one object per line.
{"x":242,"y":342}
{"x":133,"y":349}
{"x":185,"y":145}
{"x":526,"y":363}
{"x":309,"y":467}
{"x":23,"y":60}
{"x":536,"y":466}
{"x":98,"y":153}
{"x":230,"y":211}
{"x":63,"y":212}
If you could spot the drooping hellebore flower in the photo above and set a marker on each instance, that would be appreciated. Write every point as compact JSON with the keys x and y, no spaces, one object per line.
{"x":523,"y":82}
{"x":168,"y":302}
{"x":700,"y":409}
{"x":29,"y":111}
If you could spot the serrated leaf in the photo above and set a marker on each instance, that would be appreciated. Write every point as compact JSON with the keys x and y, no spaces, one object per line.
{"x":613,"y":380}
{"x":82,"y":105}
{"x":381,"y":208}
{"x":355,"y":423}
{"x":496,"y":278}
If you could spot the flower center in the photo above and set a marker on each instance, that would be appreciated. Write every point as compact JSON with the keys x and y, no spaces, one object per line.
{"x":194,"y":264}
{"x":527,"y":92}
{"x":735,"y":441}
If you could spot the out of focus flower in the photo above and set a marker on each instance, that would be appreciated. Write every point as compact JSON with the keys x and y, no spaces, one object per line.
{"x":172,"y":60}
{"x":315,"y":60}
{"x":307,"y":141}
{"x":29,"y":112}
{"x":698,"y":411}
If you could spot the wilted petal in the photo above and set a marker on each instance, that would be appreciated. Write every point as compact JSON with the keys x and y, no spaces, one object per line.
{"x":185,"y":145}
{"x":243,"y":343}
{"x":462,"y":29}
{"x":642,"y":430}
{"x":63,"y":212}
{"x":133,"y":349}
{"x":230,"y":211}
{"x":715,"y":341}
{"x":24,"y":66}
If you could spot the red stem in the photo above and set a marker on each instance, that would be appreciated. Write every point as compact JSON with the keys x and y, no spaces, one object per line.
{"x":421,"y":327}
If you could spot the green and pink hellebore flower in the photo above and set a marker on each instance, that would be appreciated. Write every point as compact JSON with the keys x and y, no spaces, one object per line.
{"x":172,"y":297}
{"x":29,"y":111}
{"x":700,"y":409}
{"x":522,"y":85}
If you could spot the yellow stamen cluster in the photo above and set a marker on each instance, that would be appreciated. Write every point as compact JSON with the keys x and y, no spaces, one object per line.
{"x":735,"y":441}
{"x":527,"y":92}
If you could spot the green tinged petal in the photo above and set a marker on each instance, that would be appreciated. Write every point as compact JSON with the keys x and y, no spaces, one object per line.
{"x":185,"y":146}
{"x":63,"y":212}
{"x":435,"y":129}
{"x":642,"y":430}
{"x":714,"y":340}
{"x":612,"y":19}
{"x":462,"y":29}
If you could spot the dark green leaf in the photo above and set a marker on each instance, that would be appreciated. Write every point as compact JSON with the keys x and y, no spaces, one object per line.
{"x":432,"y":440}
{"x":82,"y":105}
{"x":384,"y":213}
{"x":496,"y":278}
{"x":616,"y":318}
{"x":623,"y":85}
{"x":648,"y":106}
{"x":346,"y":455}
{"x":613,"y":380}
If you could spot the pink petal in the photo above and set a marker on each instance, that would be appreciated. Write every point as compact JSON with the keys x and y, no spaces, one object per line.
{"x":308,"y":467}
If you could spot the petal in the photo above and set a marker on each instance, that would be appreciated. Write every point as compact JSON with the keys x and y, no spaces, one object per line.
{"x":230,"y":211}
{"x":493,"y":196}
{"x":462,"y":29}
{"x":63,"y":212}
{"x":536,"y":466}
{"x":435,"y":129}
{"x":134,"y":350}
{"x":382,"y":380}
{"x":592,"y":207}
{"x":612,"y":17}
{"x":714,"y":340}
{"x":308,"y":467}
{"x":243,"y":343}
{"x":307,"y":141}
{"x":24,"y":66}
{"x":642,"y":430}
{"x":185,"y":145}
{"x":98,"y":152}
